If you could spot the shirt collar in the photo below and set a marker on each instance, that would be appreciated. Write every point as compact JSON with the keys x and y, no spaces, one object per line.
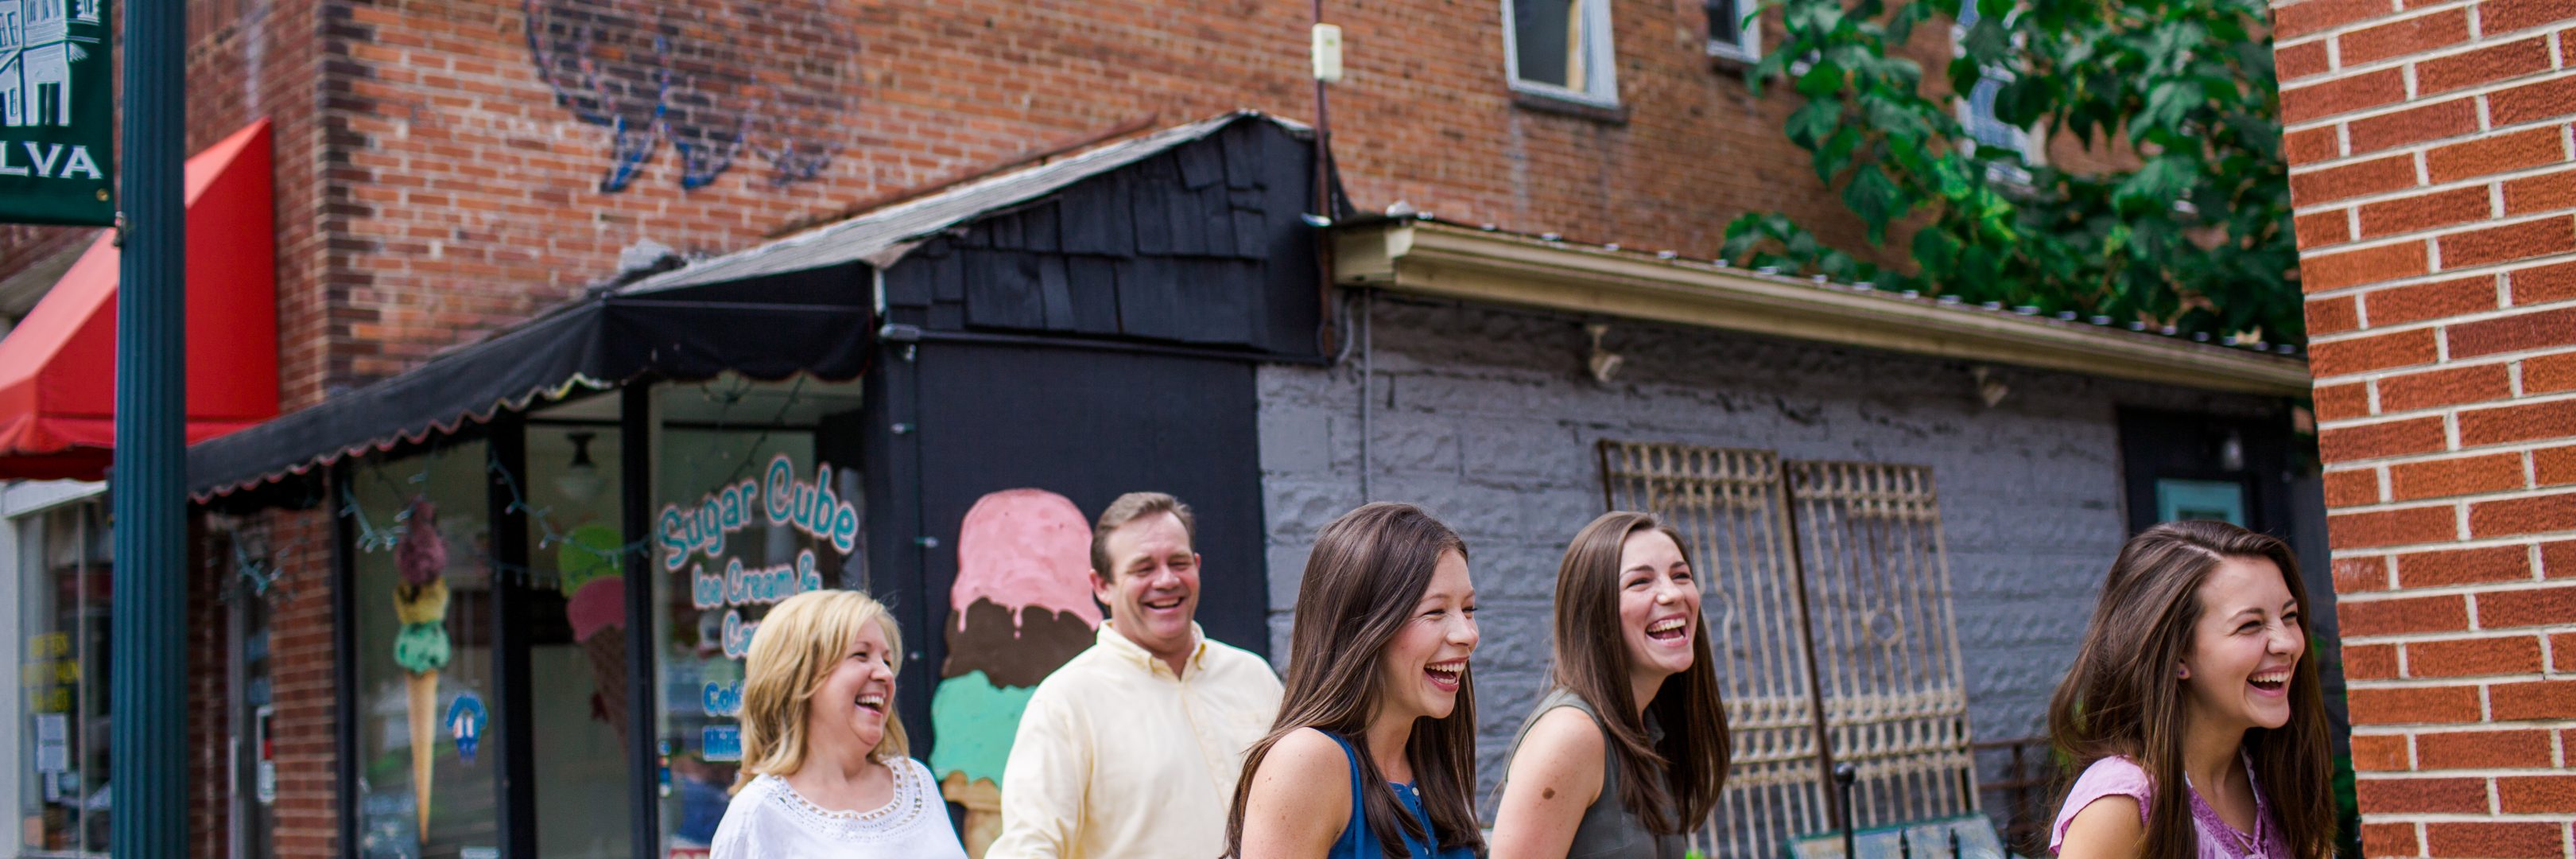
{"x":1117,"y":643}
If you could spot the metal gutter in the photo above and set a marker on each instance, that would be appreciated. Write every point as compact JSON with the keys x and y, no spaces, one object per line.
{"x":1452,"y":261}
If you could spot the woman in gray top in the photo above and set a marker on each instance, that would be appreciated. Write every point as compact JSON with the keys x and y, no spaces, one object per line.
{"x":1628,"y":753}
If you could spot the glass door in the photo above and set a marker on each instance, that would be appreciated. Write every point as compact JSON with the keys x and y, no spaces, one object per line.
{"x":577,"y":632}
{"x":745,"y":513}
{"x":253,"y":716}
{"x":62,"y":724}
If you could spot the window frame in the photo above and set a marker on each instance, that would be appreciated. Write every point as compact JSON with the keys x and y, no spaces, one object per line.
{"x":1748,"y":37}
{"x":1600,"y":60}
{"x":2027,"y":142}
{"x":28,"y":512}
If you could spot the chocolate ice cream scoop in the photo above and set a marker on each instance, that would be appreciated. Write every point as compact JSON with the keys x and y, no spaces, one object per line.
{"x":421,"y":556}
{"x":1013,"y":654}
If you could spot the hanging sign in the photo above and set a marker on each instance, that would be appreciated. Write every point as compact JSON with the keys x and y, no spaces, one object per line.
{"x":57,"y":114}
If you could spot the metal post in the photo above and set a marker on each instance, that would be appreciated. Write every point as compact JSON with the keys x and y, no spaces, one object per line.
{"x":344,"y":671}
{"x":645,"y":762}
{"x":147,"y":682}
{"x":1840,"y":804}
{"x":1844,"y":773}
{"x":512,"y":745}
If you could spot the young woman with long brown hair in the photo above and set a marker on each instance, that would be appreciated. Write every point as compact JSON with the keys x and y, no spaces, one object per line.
{"x":1374,"y":751}
{"x":1628,"y":753}
{"x":2192,"y":714}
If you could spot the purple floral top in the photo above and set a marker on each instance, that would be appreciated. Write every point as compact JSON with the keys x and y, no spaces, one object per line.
{"x":2118,"y":776}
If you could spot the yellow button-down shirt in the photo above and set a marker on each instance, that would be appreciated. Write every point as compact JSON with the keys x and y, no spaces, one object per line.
{"x":1117,"y":758}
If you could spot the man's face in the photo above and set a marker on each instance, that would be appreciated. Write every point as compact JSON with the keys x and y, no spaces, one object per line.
{"x":1153,"y":590}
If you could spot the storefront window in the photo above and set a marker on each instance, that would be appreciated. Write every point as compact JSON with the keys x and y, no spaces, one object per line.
{"x":423,"y":598}
{"x":743,"y":518}
{"x":62,"y":730}
{"x":577,"y":644}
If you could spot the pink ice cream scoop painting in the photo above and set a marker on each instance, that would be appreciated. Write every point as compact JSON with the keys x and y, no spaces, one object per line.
{"x":1022,"y":549}
{"x":595,"y":602}
{"x":1020,"y":608}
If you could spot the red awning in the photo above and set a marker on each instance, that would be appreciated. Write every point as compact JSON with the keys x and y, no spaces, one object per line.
{"x":58,"y":367}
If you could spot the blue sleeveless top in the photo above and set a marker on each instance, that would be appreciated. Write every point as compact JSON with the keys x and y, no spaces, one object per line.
{"x":1356,"y":841}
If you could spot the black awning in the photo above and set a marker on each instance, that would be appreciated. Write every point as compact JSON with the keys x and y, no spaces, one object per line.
{"x":1223,"y":263}
{"x":814,"y":322}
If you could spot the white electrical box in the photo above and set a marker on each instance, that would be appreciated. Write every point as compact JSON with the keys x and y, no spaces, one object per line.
{"x":1328,"y":53}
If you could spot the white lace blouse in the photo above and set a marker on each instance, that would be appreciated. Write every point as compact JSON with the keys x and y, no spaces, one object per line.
{"x":769,"y":820}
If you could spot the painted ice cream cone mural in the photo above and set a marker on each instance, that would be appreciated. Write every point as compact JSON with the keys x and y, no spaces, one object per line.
{"x":1020,"y":608}
{"x":595,"y":588}
{"x":421,"y":648}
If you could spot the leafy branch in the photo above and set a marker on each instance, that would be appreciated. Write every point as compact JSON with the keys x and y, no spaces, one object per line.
{"x":2196,"y":235}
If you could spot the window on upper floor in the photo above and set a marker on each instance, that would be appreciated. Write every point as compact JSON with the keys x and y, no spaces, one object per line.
{"x":1561,"y":48}
{"x":1977,"y":110}
{"x":1734,"y":32}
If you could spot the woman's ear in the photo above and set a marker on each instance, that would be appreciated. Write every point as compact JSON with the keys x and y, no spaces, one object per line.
{"x":2182,"y":672}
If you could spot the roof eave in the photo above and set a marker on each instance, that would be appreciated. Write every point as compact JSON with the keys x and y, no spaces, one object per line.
{"x":1446,"y":260}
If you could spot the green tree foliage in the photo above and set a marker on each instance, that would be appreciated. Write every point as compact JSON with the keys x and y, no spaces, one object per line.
{"x":2198,"y":236}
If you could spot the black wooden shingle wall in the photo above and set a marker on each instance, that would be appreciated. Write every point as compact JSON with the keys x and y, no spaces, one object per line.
{"x":1200,"y":245}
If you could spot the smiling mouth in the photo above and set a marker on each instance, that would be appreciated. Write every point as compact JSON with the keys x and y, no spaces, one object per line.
{"x":1445,"y":676}
{"x":1165,"y":605}
{"x":2271,"y":681}
{"x":1669,"y":629}
{"x":872,"y":702}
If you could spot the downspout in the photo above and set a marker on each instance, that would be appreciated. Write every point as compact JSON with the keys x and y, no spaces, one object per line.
{"x":1368,"y":396}
{"x":1325,"y":335}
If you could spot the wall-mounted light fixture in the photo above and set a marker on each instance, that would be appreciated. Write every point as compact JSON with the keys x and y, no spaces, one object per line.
{"x":580,"y":480}
{"x":1605,"y":363}
{"x":1990,"y":386}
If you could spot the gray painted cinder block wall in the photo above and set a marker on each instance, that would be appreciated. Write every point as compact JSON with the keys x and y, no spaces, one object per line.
{"x":1487,"y":417}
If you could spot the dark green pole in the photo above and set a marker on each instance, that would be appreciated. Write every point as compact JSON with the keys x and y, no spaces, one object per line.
{"x":148,"y":766}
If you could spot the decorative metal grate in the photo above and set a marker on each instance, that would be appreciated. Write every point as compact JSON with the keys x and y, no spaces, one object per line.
{"x":1840,"y":596}
{"x":1878,"y":582}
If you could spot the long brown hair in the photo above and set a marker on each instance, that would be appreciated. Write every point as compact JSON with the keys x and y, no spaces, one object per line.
{"x":2121,"y":697}
{"x":1367,"y":571}
{"x":1672,"y":784}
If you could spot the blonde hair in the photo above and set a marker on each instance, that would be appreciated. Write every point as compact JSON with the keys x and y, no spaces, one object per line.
{"x":796,"y":648}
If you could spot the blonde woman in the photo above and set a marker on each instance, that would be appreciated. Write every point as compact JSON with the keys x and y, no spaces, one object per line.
{"x":823,"y":765}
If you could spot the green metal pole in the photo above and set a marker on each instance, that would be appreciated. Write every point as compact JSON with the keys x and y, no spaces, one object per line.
{"x":147,"y":705}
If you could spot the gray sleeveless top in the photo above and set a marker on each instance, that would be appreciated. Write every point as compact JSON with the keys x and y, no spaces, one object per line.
{"x":1608,"y":829}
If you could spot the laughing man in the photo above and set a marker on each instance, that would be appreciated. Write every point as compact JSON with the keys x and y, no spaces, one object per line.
{"x":1132,"y":748}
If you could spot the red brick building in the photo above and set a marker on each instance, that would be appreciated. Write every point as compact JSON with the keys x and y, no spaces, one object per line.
{"x":447,"y":170}
{"x":2431,"y":171}
{"x":441,"y":170}
{"x":444,"y":169}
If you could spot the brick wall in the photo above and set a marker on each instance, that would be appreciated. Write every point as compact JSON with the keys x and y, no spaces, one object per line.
{"x":2431,"y":170}
{"x":209,"y":732}
{"x":476,"y":175}
{"x":447,"y":168}
{"x":302,"y":686}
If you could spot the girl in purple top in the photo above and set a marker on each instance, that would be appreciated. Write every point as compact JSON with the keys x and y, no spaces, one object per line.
{"x":2190,"y":687}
